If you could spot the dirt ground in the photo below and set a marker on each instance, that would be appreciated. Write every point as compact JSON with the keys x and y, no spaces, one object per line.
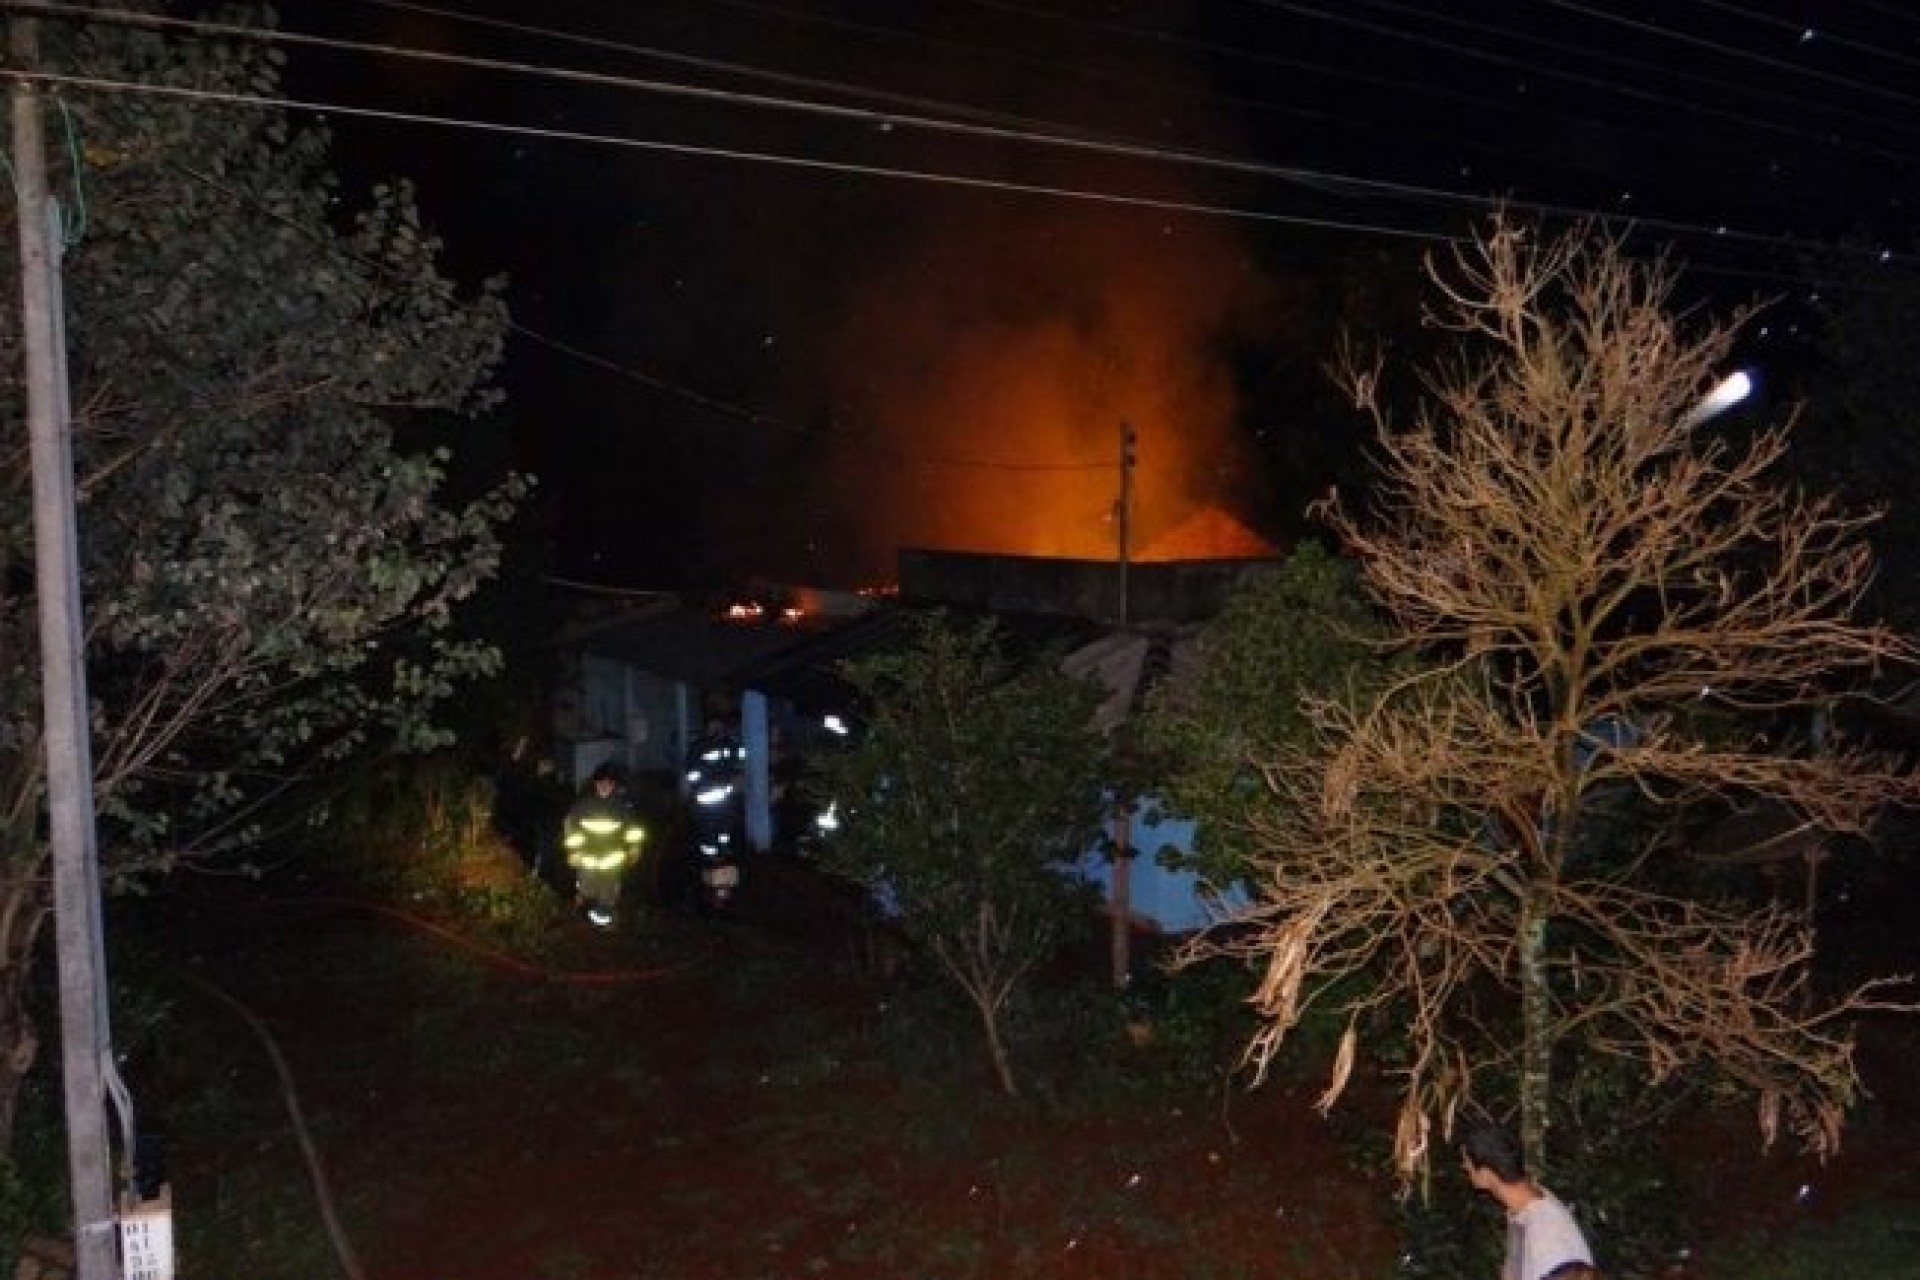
{"x":699,"y":1101}
{"x":707,"y":1100}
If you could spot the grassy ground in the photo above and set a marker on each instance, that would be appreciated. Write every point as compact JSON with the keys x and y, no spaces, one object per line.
{"x":471,"y":1085}
{"x":492,"y":1090}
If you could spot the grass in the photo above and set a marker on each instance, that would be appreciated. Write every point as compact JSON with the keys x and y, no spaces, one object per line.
{"x":1875,"y":1241}
{"x":818,"y":1121}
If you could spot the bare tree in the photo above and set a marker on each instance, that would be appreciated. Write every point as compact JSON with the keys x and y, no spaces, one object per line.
{"x":1617,"y":611}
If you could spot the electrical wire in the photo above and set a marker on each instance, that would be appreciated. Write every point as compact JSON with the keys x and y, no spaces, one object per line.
{"x":864,"y":117}
{"x":1425,"y":89}
{"x":1726,"y":50}
{"x":757,"y":418}
{"x":1317,"y":179}
{"x":1664,"y":73}
{"x":744,"y":70}
{"x":1158,"y":204}
{"x":1810,"y":32}
{"x":653,"y":381}
{"x":960,"y":111}
{"x":1889,"y":10}
{"x":1330,"y":181}
{"x":761,"y":419}
{"x":1662,"y":100}
{"x":1160,"y":40}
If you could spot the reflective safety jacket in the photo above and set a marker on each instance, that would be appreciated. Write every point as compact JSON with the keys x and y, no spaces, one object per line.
{"x":601,"y":833}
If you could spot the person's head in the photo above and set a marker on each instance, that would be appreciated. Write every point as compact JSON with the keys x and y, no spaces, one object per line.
{"x":1574,"y":1271}
{"x":1488,"y":1152}
{"x":604,"y":780}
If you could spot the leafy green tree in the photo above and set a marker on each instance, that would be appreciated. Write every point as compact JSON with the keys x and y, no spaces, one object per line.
{"x":1581,"y":566}
{"x":973,"y":784}
{"x":269,"y":582}
{"x":1302,"y":629}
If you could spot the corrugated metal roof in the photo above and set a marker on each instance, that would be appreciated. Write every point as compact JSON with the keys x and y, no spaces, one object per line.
{"x":1127,"y":665}
{"x":689,"y":645}
{"x":808,"y":674}
{"x":801,"y":664}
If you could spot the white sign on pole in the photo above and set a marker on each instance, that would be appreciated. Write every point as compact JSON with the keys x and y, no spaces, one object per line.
{"x":146,"y":1237}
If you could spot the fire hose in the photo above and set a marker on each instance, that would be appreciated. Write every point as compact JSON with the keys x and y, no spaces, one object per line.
{"x":350,"y":1266}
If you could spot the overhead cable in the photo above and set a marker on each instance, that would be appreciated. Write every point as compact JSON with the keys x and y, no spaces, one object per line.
{"x":1316,"y":179}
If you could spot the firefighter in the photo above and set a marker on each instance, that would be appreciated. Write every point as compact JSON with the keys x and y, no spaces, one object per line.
{"x":602,"y":837}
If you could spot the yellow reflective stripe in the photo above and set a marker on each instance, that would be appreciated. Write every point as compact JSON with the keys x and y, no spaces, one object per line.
{"x":600,"y":826}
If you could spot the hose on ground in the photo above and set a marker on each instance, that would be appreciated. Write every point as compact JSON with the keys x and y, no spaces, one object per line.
{"x":316,"y":1171}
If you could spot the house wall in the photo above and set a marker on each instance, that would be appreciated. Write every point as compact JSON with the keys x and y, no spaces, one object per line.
{"x":644,"y":723}
{"x":1171,"y":901}
{"x":637,"y":721}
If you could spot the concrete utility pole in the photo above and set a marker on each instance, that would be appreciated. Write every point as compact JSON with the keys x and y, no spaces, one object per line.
{"x":84,"y":1039}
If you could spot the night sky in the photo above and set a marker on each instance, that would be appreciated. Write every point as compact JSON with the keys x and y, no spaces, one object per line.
{"x":759,"y":338}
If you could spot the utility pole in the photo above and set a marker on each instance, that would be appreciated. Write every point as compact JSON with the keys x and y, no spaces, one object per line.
{"x":1121,"y":937}
{"x":85,"y":1043}
{"x":1123,"y":511}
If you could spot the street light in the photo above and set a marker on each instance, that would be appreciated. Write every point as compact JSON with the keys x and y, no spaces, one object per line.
{"x":1732,"y":389}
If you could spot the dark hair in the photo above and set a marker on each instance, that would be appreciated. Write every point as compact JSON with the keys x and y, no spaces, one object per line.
{"x":1487,"y":1146}
{"x":1574,"y":1271}
{"x":605,"y":773}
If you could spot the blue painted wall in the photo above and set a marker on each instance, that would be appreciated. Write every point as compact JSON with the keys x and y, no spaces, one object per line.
{"x":1174,"y":901}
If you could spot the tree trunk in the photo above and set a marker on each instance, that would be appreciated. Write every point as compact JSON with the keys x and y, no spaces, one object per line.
{"x":1536,"y":1044}
{"x":996,"y":1046}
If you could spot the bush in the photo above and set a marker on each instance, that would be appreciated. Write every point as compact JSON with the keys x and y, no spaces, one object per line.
{"x":1609,"y":1165}
{"x":33,"y":1183}
{"x":1191,"y":1025}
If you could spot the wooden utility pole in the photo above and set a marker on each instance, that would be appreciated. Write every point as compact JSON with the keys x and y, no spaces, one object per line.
{"x":1123,"y":512}
{"x":85,"y":1044}
{"x":1120,"y":940}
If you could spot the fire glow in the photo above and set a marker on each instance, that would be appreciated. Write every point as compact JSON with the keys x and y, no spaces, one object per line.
{"x":986,"y":377}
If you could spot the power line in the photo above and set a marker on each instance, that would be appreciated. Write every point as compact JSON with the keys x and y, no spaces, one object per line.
{"x":1326,"y":182}
{"x":1889,"y":10}
{"x":759,"y":419}
{"x":1585,"y":81}
{"x":673,"y":57}
{"x":626,"y":371}
{"x":1597,"y":55}
{"x":235,"y":98}
{"x":1744,"y":55}
{"x":1317,"y":179}
{"x":1811,"y":33}
{"x":958,"y":110}
{"x":1422,"y":88}
{"x":1121,"y":148}
{"x":714,"y":404}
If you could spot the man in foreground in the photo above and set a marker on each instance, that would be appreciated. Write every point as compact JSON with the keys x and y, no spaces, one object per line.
{"x":1543,"y":1240}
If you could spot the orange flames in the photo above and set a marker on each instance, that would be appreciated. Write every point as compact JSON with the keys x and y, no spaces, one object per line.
{"x":984,"y":376}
